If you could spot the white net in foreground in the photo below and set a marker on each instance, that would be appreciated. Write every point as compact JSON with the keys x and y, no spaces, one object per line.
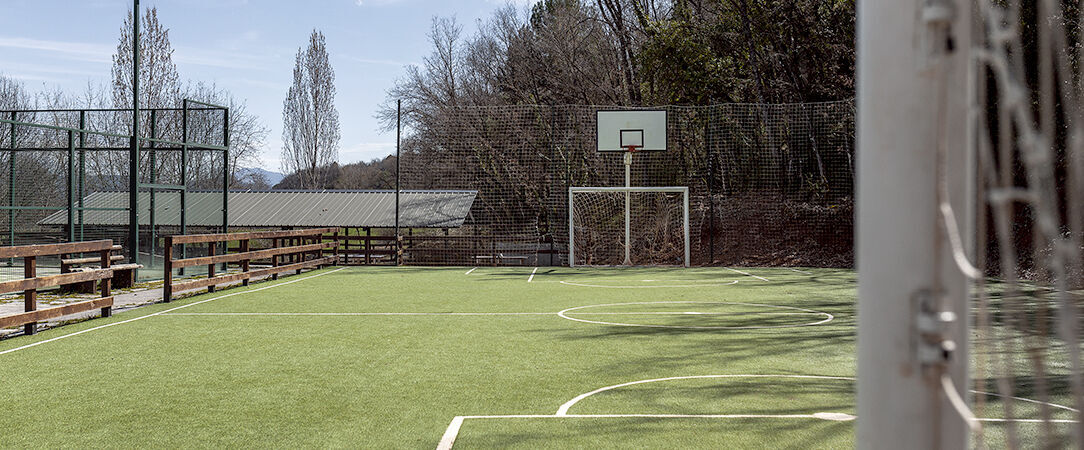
{"x":640,"y":226}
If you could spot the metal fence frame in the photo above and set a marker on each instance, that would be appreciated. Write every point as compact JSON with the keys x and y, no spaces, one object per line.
{"x":77,"y":147}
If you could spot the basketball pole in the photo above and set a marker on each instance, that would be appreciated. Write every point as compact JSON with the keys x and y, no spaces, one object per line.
{"x":628,"y":184}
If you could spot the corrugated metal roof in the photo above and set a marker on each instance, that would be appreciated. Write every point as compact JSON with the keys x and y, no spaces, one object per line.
{"x":418,"y":209}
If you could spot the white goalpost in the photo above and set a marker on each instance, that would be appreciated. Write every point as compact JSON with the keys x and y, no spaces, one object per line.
{"x":914,"y":162}
{"x":628,"y":226}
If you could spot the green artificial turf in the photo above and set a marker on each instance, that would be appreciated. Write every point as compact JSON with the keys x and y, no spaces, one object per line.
{"x":224,"y":372}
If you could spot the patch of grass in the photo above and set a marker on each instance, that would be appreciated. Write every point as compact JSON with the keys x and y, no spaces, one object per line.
{"x":226,"y":373}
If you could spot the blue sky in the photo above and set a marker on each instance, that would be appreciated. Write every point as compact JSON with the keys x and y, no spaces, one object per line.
{"x":244,"y":46}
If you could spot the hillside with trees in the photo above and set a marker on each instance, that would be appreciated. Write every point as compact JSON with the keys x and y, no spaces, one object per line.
{"x":634,"y":53}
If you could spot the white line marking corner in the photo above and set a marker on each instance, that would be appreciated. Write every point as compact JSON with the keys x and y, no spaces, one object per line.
{"x":35,"y":344}
{"x":747,"y":274}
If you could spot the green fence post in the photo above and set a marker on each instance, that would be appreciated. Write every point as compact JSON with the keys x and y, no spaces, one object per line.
{"x":82,"y":191}
{"x":225,"y":177}
{"x":184,"y":177}
{"x":154,"y":179}
{"x":71,"y":186}
{"x":11,"y":189}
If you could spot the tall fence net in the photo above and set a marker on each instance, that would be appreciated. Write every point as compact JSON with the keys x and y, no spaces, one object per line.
{"x":769,"y":184}
{"x":1028,"y":271}
{"x":64,"y":176}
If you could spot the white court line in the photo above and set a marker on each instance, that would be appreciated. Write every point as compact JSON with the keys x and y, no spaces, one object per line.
{"x":800,"y":271}
{"x":165,"y":311}
{"x":563,"y":410}
{"x":452,"y":432}
{"x":697,"y":313}
{"x":747,"y":273}
{"x":471,"y":270}
{"x":569,"y":283}
{"x":980,"y":419}
{"x":828,"y":317}
{"x":364,"y":314}
{"x":673,"y":313}
{"x":532,"y":275}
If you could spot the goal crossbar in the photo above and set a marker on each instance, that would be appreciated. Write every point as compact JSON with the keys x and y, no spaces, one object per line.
{"x":572,"y":191}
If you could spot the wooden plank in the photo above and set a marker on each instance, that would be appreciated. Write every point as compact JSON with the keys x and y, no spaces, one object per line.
{"x":52,"y":313}
{"x":219,"y":237}
{"x":20,"y":251}
{"x":93,"y":259}
{"x":55,"y":280}
{"x":196,"y":284}
{"x":256,"y":254}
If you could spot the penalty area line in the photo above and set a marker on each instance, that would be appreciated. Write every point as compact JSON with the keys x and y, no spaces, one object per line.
{"x":747,"y":274}
{"x":471,"y":270}
{"x":532,"y":275}
{"x":159,"y":313}
{"x":365,"y":314}
{"x":447,"y":440}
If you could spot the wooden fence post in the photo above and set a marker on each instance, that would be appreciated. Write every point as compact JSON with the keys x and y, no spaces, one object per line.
{"x":30,"y":296}
{"x":298,"y":256}
{"x":244,"y":262}
{"x":275,"y":259}
{"x":107,"y":283}
{"x":212,"y":250}
{"x":167,"y":271}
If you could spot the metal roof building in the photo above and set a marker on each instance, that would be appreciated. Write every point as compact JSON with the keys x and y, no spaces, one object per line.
{"x":267,"y":209}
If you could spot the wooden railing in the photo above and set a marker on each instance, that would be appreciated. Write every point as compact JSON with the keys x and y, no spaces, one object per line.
{"x":291,"y":250}
{"x":436,"y":249}
{"x":31,"y":282}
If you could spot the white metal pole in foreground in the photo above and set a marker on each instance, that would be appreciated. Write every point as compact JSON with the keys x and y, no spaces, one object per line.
{"x":685,"y":196}
{"x":909,"y":93}
{"x":628,"y":184}
{"x":571,"y":231}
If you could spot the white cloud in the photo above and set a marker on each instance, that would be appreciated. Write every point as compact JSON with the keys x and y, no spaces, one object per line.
{"x":214,"y":58}
{"x":366,"y":151}
{"x":519,"y":3}
{"x":382,"y":62}
{"x":80,"y":51}
{"x":375,"y":2}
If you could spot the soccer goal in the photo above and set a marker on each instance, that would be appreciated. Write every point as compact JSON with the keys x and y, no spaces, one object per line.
{"x":622,"y":226}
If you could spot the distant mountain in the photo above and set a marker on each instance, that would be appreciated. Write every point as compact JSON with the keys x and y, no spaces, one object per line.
{"x":375,"y":174}
{"x":253,"y":174}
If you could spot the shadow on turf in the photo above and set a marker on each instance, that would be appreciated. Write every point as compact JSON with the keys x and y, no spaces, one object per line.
{"x":609,"y":430}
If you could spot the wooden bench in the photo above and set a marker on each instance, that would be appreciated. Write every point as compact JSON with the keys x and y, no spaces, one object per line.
{"x":123,"y":274}
{"x":31,"y":282}
{"x":500,"y":259}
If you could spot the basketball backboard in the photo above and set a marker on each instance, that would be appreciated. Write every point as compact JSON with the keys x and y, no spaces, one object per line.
{"x":643,"y":129}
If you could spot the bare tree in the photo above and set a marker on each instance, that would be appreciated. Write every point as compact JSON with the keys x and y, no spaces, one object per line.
{"x":434,"y":86}
{"x":161,"y":87}
{"x":13,"y":94}
{"x":247,"y":133}
{"x":310,"y":135}
{"x":159,"y":81}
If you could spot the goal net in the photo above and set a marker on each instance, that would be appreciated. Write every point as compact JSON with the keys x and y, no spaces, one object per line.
{"x":640,"y":226}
